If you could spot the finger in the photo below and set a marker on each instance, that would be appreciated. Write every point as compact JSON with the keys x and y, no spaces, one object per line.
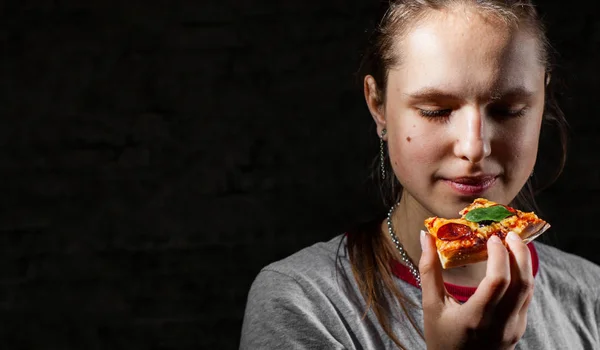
{"x":497,"y":276}
{"x":525,"y":307}
{"x":430,"y":269}
{"x":521,"y":280}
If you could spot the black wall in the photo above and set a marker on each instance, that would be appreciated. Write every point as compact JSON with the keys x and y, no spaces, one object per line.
{"x":155,"y":155}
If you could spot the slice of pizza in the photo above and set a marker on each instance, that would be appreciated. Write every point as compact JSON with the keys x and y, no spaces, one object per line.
{"x":464,"y":241}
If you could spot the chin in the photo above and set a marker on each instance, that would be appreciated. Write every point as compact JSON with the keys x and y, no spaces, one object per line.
{"x":446,"y":207}
{"x":452,"y":210}
{"x":450,"y":206}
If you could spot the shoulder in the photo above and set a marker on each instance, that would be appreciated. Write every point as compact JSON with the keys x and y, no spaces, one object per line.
{"x":567,"y":270}
{"x":291,"y":301}
{"x":319,"y":257}
{"x":310,"y":267}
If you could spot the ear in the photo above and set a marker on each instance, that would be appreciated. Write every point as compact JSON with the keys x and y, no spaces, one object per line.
{"x":375,"y":103}
{"x":548,"y":76}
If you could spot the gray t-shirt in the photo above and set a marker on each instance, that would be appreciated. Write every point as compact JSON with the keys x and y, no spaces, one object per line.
{"x":310,"y":300}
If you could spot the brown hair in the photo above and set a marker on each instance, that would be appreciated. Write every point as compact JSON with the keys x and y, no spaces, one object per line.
{"x":369,"y":257}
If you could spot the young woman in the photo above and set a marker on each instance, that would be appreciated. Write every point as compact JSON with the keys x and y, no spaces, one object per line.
{"x":458,"y":91}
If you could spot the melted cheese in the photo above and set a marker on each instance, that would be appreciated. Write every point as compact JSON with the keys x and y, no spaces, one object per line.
{"x":517,"y":223}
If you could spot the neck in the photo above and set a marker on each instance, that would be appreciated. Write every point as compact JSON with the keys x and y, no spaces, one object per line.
{"x":407,"y":222}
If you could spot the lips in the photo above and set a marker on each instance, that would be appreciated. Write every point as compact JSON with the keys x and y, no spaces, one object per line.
{"x":475,"y":185}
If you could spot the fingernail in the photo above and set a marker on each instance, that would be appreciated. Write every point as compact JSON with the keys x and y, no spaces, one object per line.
{"x":513,"y":236}
{"x":495,"y":239}
{"x":424,"y":245}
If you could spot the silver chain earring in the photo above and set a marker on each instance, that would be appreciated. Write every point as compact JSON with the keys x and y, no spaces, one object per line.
{"x":381,"y":155}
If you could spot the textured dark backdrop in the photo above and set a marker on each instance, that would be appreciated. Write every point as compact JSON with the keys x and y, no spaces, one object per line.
{"x":155,"y":155}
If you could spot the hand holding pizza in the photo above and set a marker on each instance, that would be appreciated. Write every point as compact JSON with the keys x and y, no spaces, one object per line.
{"x":495,"y":316}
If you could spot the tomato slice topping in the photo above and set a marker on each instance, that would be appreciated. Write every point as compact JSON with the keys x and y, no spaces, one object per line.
{"x":509,"y":209}
{"x":452,"y":231}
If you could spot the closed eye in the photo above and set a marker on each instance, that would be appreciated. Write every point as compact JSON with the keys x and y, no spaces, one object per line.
{"x":498,"y":112}
{"x":443,"y":115}
{"x":435,"y":113}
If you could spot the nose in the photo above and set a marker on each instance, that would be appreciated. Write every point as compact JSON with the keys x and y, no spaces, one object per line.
{"x":472,"y":140}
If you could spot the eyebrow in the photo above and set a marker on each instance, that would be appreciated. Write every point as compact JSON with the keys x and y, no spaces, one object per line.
{"x":512,"y":93}
{"x":430,"y":93}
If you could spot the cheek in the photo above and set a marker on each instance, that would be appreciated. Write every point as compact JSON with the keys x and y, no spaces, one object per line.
{"x":518,"y":148}
{"x":414,"y":149}
{"x":414,"y":143}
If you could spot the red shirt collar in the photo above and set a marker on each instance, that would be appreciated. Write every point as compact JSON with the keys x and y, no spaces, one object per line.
{"x":461,"y":293}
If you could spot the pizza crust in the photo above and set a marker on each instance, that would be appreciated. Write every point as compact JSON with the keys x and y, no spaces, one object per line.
{"x":455,"y":258}
{"x":534,"y":231}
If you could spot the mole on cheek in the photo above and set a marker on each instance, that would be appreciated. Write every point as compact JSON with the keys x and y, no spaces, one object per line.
{"x":408,"y":138}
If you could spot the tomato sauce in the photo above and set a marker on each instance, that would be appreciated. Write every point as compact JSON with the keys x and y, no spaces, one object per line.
{"x":509,"y":209}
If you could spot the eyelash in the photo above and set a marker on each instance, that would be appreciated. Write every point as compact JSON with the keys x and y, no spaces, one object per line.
{"x":445,"y":113}
{"x":512,"y":113}
{"x":435,"y":114}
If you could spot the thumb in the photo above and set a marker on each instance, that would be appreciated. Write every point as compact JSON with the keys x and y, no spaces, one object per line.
{"x":430,"y":270}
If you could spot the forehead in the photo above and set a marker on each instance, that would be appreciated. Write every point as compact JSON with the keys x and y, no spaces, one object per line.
{"x":467,"y":51}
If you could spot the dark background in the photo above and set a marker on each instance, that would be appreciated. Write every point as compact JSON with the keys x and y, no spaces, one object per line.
{"x":155,"y":155}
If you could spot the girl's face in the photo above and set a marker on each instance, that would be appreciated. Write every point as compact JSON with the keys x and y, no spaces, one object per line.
{"x":463,"y":110}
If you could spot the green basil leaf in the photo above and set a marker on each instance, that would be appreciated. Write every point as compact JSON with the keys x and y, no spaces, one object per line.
{"x":493,"y":213}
